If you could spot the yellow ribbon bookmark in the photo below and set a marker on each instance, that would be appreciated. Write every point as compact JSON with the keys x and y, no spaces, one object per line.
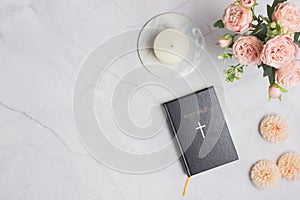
{"x":185,"y":185}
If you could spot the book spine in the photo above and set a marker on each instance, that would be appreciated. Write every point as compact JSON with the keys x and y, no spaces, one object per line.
{"x":177,"y":140}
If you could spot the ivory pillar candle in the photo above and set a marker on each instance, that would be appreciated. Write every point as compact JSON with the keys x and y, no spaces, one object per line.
{"x":171,"y":46}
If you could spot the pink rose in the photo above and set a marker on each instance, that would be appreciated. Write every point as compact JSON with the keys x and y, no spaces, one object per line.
{"x":225,"y":41}
{"x":247,"y":50}
{"x":288,"y":16}
{"x":237,"y":18}
{"x":289,"y":75}
{"x":278,"y":51}
{"x":247,"y":3}
{"x":274,"y":92}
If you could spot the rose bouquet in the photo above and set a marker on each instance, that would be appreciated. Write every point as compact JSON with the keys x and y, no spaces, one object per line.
{"x":269,"y":42}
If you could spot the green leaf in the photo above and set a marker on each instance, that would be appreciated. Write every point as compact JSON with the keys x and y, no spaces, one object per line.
{"x":259,"y":66}
{"x":266,"y":19}
{"x":270,"y":11}
{"x":276,"y":2}
{"x":281,"y":88}
{"x":240,"y":69}
{"x":233,"y":73}
{"x":219,"y":24}
{"x":261,"y":31}
{"x":297,"y":39}
{"x":237,"y":3}
{"x":269,"y":72}
{"x":253,"y":14}
{"x":276,"y":85}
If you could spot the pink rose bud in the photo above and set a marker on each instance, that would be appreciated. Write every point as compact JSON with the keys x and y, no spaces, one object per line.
{"x":274,"y":92}
{"x":225,"y":41}
{"x":247,"y":3}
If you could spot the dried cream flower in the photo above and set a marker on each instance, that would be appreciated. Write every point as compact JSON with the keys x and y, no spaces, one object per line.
{"x":265,"y":174}
{"x":289,"y":165}
{"x":274,"y":128}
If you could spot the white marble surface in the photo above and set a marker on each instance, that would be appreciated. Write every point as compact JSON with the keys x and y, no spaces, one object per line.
{"x":42,"y":46}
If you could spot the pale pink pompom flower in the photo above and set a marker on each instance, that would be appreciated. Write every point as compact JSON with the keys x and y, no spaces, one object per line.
{"x":265,"y":174}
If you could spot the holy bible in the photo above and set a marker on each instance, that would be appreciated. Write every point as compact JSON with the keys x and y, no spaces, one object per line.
{"x":200,"y":129}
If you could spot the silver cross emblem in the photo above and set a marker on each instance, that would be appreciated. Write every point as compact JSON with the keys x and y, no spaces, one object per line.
{"x":200,"y":127}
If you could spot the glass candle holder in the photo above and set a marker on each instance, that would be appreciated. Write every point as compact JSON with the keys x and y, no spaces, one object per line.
{"x":176,"y":22}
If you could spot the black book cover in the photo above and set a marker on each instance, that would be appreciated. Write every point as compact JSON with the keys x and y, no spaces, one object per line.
{"x":201,"y":131}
